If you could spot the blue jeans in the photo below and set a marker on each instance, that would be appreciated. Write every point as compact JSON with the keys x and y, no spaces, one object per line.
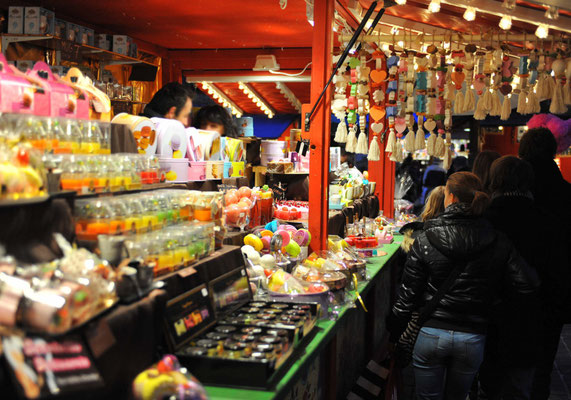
{"x":445,"y":363}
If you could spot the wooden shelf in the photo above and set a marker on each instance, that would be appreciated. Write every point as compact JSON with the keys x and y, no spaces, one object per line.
{"x":127,"y":101}
{"x":76,"y":49}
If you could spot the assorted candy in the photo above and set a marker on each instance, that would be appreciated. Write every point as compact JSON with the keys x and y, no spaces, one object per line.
{"x":21,"y":171}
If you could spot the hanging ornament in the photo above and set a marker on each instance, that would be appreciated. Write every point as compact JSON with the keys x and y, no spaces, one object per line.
{"x":533,"y":106}
{"x":469,"y":97}
{"x":362,"y":147}
{"x":549,"y":80}
{"x":567,"y":89}
{"x":351,"y":140}
{"x":419,"y":142}
{"x":448,"y":151}
{"x":341,"y":132}
{"x":377,"y":113}
{"x":506,"y":87}
{"x":458,"y":77}
{"x":541,"y":90}
{"x":430,"y":126}
{"x":398,"y":154}
{"x":421,"y":85}
{"x":557,"y":101}
{"x":480,"y":86}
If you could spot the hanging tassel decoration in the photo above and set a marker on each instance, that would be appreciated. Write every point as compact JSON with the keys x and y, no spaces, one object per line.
{"x":362,"y":143}
{"x":469,"y":100}
{"x":496,"y":105}
{"x":480,"y":113}
{"x":557,"y":100}
{"x":506,"y":109}
{"x":374,"y":150}
{"x":521,"y":102}
{"x":447,"y":151}
{"x":419,"y":142}
{"x":409,"y":142}
{"x":533,"y":106}
{"x":399,"y":156}
{"x":351,"y":140}
{"x":439,"y":146}
{"x":459,"y":102}
{"x":389,"y":148}
{"x":487,"y":100}
{"x":341,"y":132}
{"x":567,"y":88}
{"x":431,"y":143}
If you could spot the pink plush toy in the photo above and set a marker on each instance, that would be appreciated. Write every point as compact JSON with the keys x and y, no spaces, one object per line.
{"x":560,"y":129}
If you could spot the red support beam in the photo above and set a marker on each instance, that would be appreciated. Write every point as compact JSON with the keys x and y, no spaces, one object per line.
{"x":320,"y":130}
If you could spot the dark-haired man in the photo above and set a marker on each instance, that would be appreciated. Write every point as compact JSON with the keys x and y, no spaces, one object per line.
{"x":172,"y":101}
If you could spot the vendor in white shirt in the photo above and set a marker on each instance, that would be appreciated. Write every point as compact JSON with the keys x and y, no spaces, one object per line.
{"x":172,"y":101}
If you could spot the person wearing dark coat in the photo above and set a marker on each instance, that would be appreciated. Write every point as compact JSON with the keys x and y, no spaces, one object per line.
{"x":450,"y":345}
{"x":514,"y":341}
{"x":552,"y":193}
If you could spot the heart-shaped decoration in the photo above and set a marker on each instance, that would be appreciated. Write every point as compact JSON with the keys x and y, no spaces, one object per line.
{"x":377,"y":127}
{"x":363,"y":90}
{"x":378,"y":76}
{"x":377,"y":113}
{"x":430,"y":125}
{"x":458,"y":78}
{"x":505,"y":89}
{"x":400,"y":125}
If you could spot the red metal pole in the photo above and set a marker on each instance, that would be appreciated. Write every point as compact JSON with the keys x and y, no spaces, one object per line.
{"x":320,"y":131}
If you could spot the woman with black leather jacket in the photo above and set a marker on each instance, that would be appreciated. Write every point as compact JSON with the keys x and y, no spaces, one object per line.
{"x":450,"y":345}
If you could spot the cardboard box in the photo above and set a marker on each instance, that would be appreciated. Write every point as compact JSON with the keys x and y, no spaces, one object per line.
{"x":16,"y":20}
{"x":60,"y":28}
{"x":133,"y":49}
{"x":121,"y":44}
{"x":59,"y":70}
{"x":39,"y":21}
{"x":87,"y":36}
{"x":72,"y":32}
{"x":103,"y":41}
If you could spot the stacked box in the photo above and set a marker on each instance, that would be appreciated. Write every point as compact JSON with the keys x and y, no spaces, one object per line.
{"x":103,"y":41}
{"x":16,"y":20}
{"x":39,"y":21}
{"x":87,"y":36}
{"x":60,"y":28}
{"x":72,"y":32}
{"x":121,"y":44}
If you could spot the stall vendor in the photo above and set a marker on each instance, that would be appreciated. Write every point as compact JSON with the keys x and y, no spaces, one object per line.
{"x":215,"y":118}
{"x":172,"y":101}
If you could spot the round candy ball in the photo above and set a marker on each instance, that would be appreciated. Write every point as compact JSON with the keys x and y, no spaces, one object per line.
{"x":267,"y":233}
{"x":272,"y":226}
{"x":285,"y":236}
{"x":293,"y":249}
{"x":254,"y":241}
{"x":302,"y":237}
{"x":268,"y":261}
{"x":266,"y":241}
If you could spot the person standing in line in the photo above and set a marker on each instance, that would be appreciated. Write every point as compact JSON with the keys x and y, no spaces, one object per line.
{"x":482,"y":165}
{"x":450,"y":346}
{"x":551,"y":192}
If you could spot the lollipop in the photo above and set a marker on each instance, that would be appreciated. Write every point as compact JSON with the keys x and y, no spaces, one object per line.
{"x":302,"y":237}
{"x":285,"y":236}
{"x":293,"y":249}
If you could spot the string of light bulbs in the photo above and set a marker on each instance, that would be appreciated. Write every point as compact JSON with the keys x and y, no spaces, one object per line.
{"x":505,"y":22}
{"x":257,"y":99}
{"x":220,"y":97}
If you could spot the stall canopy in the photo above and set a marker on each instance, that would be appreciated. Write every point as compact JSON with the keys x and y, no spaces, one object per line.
{"x":218,"y":41}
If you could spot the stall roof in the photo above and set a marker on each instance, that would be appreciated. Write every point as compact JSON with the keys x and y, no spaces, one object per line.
{"x":230,"y":33}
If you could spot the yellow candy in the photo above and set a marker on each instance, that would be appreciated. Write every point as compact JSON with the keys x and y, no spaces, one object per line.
{"x":254,"y":241}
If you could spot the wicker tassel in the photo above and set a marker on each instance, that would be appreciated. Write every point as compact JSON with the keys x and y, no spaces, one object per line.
{"x":549,"y":86}
{"x":341,"y":132}
{"x":351,"y":140}
{"x":557,"y":106}
{"x":374,"y":150}
{"x":399,"y":156}
{"x":459,"y":102}
{"x":447,"y":158}
{"x":409,"y":144}
{"x":389,"y":148}
{"x":419,"y":142}
{"x":487,"y":99}
{"x":439,"y":147}
{"x":533,"y":106}
{"x":496,"y":105}
{"x":506,"y":109}
{"x":480,"y":114}
{"x":430,"y":144}
{"x":469,"y":100}
{"x":521,"y":102}
{"x":362,"y":144}
{"x":540,"y":87}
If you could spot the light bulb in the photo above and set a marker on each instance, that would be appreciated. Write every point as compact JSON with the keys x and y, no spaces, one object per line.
{"x":394,"y":30}
{"x":400,"y":2}
{"x":506,"y":22}
{"x":434,"y":6}
{"x":385,"y":47}
{"x":509,"y":5}
{"x":400,"y":43}
{"x":542,"y":31}
{"x":552,"y":12}
{"x":470,"y":14}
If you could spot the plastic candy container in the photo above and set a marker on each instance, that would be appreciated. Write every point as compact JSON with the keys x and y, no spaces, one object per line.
{"x":292,"y":210}
{"x":167,"y":380}
{"x":21,"y":172}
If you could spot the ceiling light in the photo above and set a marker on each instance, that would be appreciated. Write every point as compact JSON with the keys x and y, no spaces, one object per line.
{"x":400,"y":2}
{"x":394,"y":30}
{"x":552,"y":12}
{"x":400,"y":43}
{"x":470,"y":14}
{"x":542,"y":31}
{"x":434,"y":6}
{"x":506,"y":22}
{"x":509,"y":5}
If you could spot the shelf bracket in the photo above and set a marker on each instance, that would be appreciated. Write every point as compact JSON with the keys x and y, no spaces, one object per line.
{"x":6,"y":40}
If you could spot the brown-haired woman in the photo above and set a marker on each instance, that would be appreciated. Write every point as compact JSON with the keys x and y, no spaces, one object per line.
{"x":481,"y":168}
{"x":450,"y":345}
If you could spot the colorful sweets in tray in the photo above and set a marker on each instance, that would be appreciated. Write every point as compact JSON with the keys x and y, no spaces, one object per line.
{"x":167,"y":380}
{"x":88,"y":174}
{"x":248,"y":207}
{"x":292,"y":210}
{"x":21,"y":171}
